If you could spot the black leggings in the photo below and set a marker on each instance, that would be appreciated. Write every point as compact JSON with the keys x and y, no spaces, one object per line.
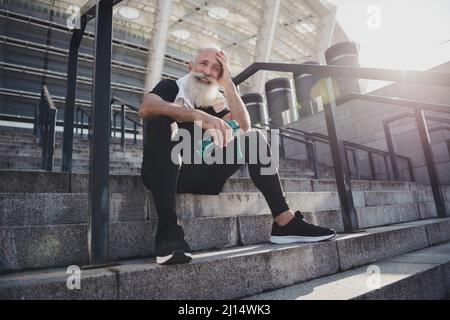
{"x":165,"y":179}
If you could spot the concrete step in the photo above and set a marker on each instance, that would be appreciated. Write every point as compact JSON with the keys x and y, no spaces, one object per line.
{"x":77,"y":161}
{"x":231,"y":273}
{"x":45,"y":182}
{"x":140,"y":206}
{"x":78,"y":143}
{"x":124,"y":169}
{"x":419,"y":275}
{"x":84,"y":149}
{"x":52,"y":223}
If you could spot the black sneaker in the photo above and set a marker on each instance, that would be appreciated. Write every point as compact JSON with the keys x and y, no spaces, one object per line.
{"x":171,"y":248}
{"x":298,"y":230}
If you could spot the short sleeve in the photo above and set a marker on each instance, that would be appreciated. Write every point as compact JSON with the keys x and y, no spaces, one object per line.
{"x":223,"y":113}
{"x":166,"y":89}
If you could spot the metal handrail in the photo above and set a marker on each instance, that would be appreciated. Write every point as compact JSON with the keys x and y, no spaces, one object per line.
{"x":350,"y":145}
{"x":47,"y":116}
{"x":125,"y":115}
{"x":311,"y":152}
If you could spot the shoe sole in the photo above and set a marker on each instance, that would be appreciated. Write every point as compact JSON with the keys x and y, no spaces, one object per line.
{"x":294,"y":239}
{"x":178,"y":256}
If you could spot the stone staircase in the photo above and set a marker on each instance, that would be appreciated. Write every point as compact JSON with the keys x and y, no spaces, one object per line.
{"x":19,"y":150}
{"x":43,"y":229}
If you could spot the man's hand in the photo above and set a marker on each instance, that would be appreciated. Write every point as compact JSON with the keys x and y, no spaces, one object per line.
{"x":220,"y":130}
{"x":225,"y":79}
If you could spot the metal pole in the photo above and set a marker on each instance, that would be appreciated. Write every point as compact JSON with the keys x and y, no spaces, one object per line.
{"x":72,"y":69}
{"x":355,"y":161}
{"x":372,"y":166}
{"x":89,"y":126}
{"x":122,"y":130}
{"x":50,"y":140}
{"x":41,"y":117}
{"x":36,"y":119}
{"x":448,"y":146}
{"x":386,"y":165}
{"x":82,"y":122}
{"x":429,"y":159}
{"x":314,"y":160}
{"x":411,"y":171}
{"x":390,"y":145}
{"x":98,"y":234}
{"x":343,"y":182}
{"x":44,"y":136}
{"x":347,"y":162}
{"x":114,"y":123}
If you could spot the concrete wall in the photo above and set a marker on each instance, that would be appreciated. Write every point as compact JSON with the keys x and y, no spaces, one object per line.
{"x":361,"y":122}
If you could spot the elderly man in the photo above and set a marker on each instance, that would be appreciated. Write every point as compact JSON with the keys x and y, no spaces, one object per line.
{"x":195,"y":100}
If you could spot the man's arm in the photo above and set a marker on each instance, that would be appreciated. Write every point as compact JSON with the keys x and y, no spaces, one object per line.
{"x":238,"y":111}
{"x":154,"y":106}
{"x":237,"y":107}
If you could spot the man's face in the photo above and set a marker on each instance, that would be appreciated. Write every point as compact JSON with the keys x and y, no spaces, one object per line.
{"x":207,"y":63}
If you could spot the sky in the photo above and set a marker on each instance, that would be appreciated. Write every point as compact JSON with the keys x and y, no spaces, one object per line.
{"x":397,"y":34}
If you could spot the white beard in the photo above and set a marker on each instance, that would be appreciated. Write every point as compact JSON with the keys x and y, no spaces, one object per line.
{"x":201,"y":94}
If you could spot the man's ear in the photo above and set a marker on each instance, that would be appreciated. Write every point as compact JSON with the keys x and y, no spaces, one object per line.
{"x":190,"y":66}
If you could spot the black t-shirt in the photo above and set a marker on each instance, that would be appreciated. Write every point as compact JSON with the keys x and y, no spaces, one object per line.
{"x":168,"y":89}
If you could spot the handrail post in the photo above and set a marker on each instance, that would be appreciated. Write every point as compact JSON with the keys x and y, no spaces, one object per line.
{"x":122,"y":130}
{"x":44,"y":135}
{"x":390,"y":145}
{"x":114,"y":123}
{"x":315,"y":161}
{"x":49,"y":124}
{"x":355,"y":161}
{"x":386,"y":165}
{"x":50,"y":139}
{"x":347,"y":162}
{"x":98,"y":227}
{"x":41,"y":116}
{"x":82,"y":123}
{"x":312,"y":155}
{"x":372,"y":166}
{"x":36,"y":119}
{"x":343,"y":181}
{"x":411,"y":171}
{"x":69,"y":109}
{"x":429,"y":160}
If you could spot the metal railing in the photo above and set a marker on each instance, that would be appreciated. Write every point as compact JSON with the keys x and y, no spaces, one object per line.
{"x":342,"y":175}
{"x":44,"y":127}
{"x":389,"y":138}
{"x":348,"y":146}
{"x":98,"y":200}
{"x":311,"y":152}
{"x":128,"y":112}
